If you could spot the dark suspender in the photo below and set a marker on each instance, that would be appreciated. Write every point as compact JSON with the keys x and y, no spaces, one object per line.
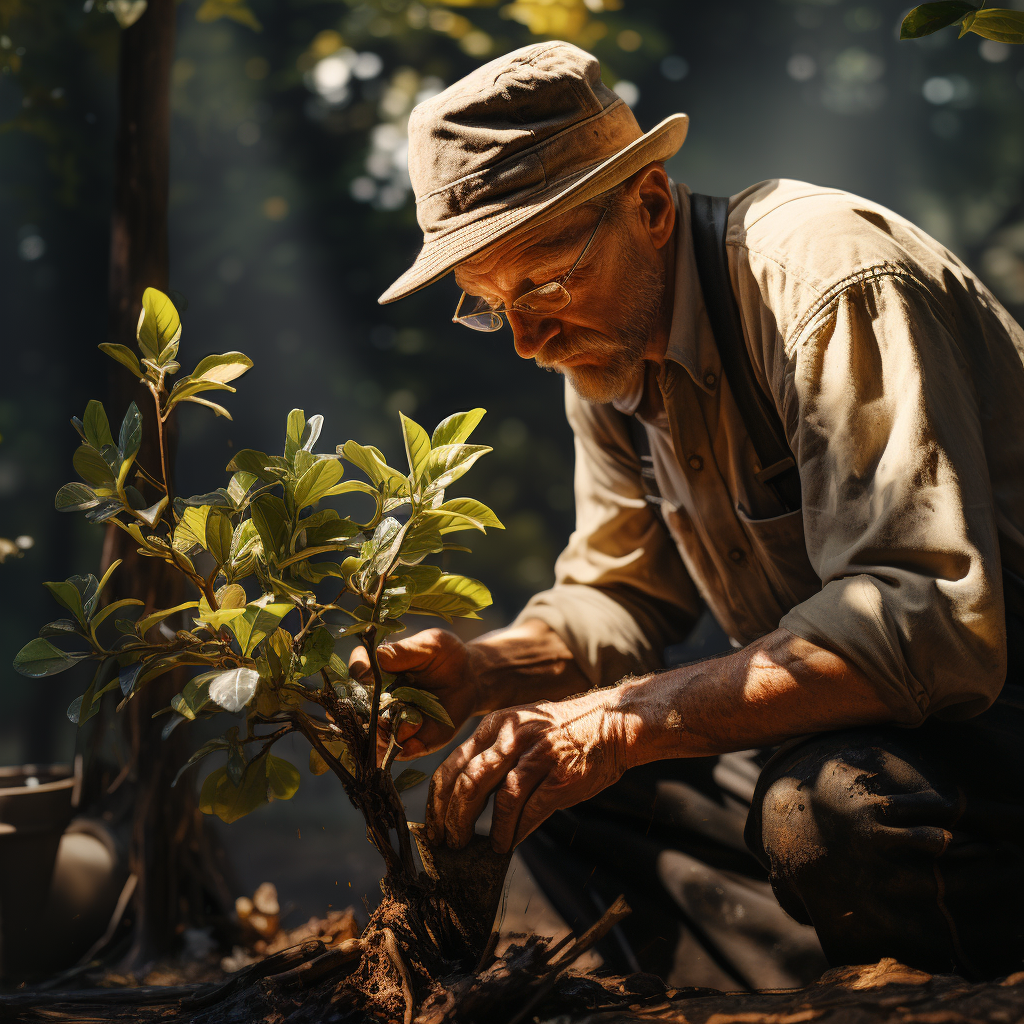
{"x":708,"y":218}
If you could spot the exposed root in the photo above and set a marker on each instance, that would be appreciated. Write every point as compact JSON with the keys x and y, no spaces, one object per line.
{"x":391,"y":945}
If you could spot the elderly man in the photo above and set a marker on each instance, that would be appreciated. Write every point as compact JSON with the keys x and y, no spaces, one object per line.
{"x":797,"y":410}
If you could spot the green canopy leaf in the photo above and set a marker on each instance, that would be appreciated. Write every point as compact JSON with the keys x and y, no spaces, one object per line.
{"x":222,"y":367}
{"x":426,"y":702}
{"x":39,"y":658}
{"x":75,"y":497}
{"x":929,"y":18}
{"x":463,"y":514}
{"x":124,"y":355}
{"x":1001,"y":25}
{"x":317,"y":481}
{"x":96,"y":426}
{"x":417,"y":445}
{"x":446,"y":464}
{"x":92,"y":467}
{"x":159,"y":326}
{"x":456,"y":428}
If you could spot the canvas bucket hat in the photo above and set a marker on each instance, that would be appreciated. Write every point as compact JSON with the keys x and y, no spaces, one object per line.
{"x":526,"y":136}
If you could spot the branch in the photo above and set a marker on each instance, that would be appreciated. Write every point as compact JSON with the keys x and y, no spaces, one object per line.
{"x":335,"y":765}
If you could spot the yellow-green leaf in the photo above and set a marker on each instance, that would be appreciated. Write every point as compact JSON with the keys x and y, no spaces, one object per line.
{"x":159,"y":325}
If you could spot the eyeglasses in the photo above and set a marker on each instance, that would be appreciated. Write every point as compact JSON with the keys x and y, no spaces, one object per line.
{"x":541,"y":301}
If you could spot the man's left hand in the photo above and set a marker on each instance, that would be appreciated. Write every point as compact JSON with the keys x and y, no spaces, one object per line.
{"x":536,"y":759}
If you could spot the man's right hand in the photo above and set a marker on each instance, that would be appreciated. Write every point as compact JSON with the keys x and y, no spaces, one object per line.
{"x":437,"y":662}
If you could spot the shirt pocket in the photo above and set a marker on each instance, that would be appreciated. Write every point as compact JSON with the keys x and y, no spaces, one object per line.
{"x":780,"y":549}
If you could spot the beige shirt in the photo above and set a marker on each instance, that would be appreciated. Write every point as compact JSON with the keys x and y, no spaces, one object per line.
{"x":900,"y":382}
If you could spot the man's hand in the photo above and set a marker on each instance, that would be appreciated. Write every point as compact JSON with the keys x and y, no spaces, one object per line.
{"x":437,"y":662}
{"x":537,"y":759}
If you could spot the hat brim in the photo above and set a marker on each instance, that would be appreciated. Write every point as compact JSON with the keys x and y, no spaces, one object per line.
{"x":441,"y":255}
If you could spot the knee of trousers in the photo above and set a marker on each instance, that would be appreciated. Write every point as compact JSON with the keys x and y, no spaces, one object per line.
{"x":833,"y":811}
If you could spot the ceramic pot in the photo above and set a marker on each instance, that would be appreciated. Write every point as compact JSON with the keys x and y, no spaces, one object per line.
{"x":36,"y":805}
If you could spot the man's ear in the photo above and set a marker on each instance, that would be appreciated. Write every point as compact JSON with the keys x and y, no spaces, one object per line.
{"x":654,"y":191}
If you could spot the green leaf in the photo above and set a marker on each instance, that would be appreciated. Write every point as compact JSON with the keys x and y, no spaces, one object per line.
{"x":236,"y":10}
{"x":187,"y":388}
{"x":218,"y":409}
{"x":96,"y":425}
{"x":353,"y":485}
{"x":456,"y":428}
{"x":372,"y":462}
{"x":128,"y":676}
{"x":273,"y":524}
{"x":446,"y":464}
{"x":124,"y":355}
{"x":379,"y":549}
{"x":223,"y":367}
{"x":317,"y":481}
{"x":61,"y":627}
{"x":68,"y":595}
{"x":409,"y":778}
{"x":315,"y":654}
{"x":75,"y":497}
{"x":92,"y":467}
{"x":130,"y":440}
{"x":191,"y":529}
{"x":159,"y":326}
{"x":1001,"y":25}
{"x":421,"y":539}
{"x":454,"y":596}
{"x":151,"y":516}
{"x":417,"y":445}
{"x":39,"y":658}
{"x":318,"y":766}
{"x":233,"y":689}
{"x":256,"y":623}
{"x":195,"y":695}
{"x":101,"y":616}
{"x":311,"y":432}
{"x":294,"y":430}
{"x":929,"y":18}
{"x":426,"y":702}
{"x":143,"y":626}
{"x":415,"y":579}
{"x":229,"y":802}
{"x":257,"y":463}
{"x":282,"y":778}
{"x":207,"y":748}
{"x":219,"y":533}
{"x":239,"y":486}
{"x":463,"y":514}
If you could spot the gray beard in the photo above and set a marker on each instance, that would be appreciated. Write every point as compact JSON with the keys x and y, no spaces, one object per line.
{"x":624,"y":345}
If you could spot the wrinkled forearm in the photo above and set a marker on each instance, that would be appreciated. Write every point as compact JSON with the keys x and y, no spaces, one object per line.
{"x":525,"y":663}
{"x":774,"y":689}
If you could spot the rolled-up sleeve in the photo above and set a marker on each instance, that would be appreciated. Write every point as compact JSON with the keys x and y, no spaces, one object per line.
{"x":621,"y":592}
{"x":899,"y":518}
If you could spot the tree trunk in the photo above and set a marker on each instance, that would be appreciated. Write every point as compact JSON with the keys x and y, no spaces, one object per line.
{"x":180,"y":880}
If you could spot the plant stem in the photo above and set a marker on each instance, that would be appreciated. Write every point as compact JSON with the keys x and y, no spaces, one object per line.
{"x":368,"y":638}
{"x":162,"y":445}
{"x":335,"y":765}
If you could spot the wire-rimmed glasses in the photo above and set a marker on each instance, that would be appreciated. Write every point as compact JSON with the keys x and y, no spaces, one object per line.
{"x":540,"y":301}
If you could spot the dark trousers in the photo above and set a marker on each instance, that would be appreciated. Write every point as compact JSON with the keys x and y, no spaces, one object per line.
{"x":890,"y":842}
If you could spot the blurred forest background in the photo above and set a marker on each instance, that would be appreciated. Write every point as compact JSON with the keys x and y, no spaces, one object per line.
{"x":291,"y":212}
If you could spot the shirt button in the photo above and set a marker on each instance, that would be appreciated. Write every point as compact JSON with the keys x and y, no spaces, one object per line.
{"x":736,"y":555}
{"x":709,"y":379}
{"x":696,"y":462}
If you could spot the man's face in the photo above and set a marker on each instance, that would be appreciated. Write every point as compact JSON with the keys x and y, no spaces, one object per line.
{"x":599,"y":340}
